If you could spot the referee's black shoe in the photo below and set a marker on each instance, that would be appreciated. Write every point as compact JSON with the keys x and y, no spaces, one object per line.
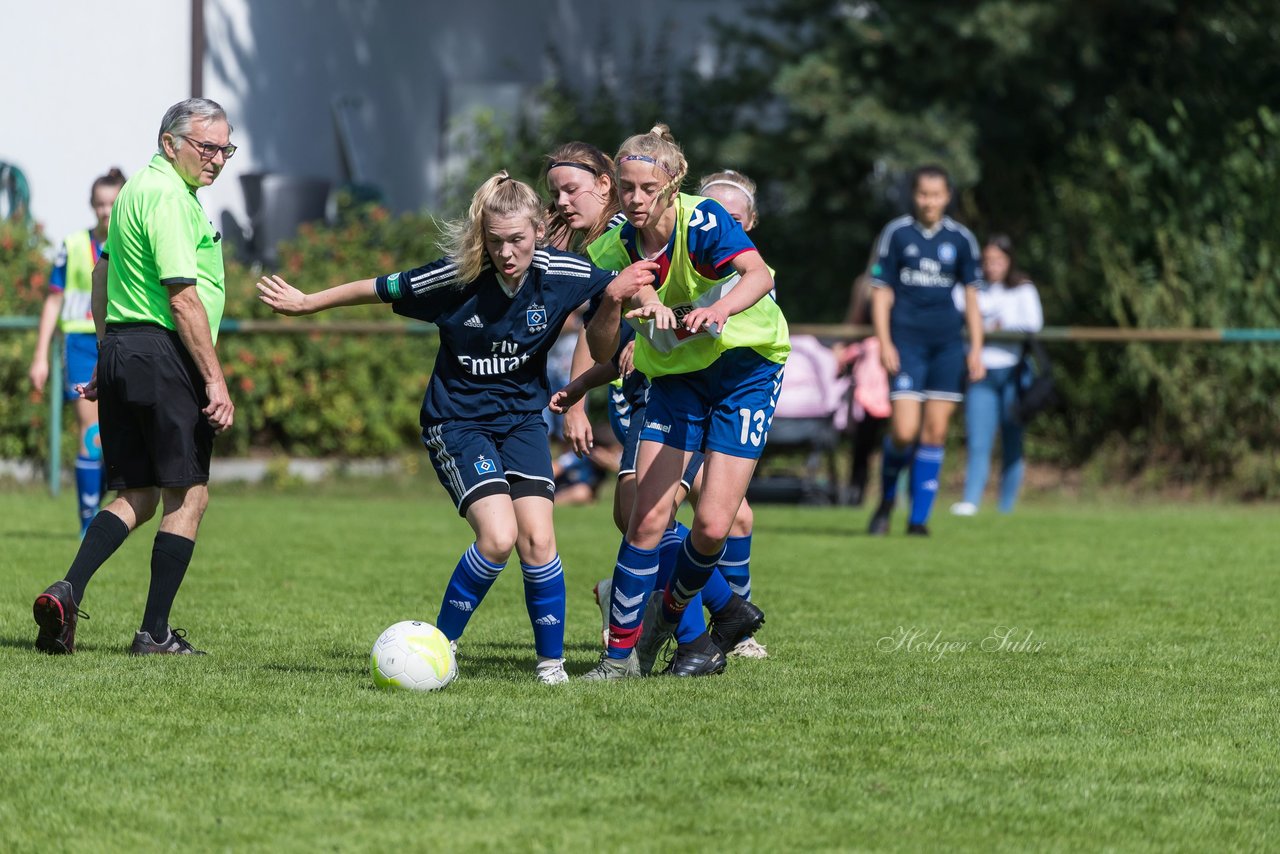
{"x":917,"y":530}
{"x":735,"y":621}
{"x":175,"y":644}
{"x":698,"y":657}
{"x":56,"y":614}
{"x":879,"y":525}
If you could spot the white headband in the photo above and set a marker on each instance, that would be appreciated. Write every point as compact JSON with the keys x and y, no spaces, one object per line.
{"x":751,"y":198}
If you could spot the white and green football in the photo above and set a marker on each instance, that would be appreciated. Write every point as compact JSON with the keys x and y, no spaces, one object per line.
{"x":413,"y":655}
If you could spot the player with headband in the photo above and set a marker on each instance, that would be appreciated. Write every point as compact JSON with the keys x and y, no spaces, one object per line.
{"x":713,"y":346}
{"x":580,"y":180}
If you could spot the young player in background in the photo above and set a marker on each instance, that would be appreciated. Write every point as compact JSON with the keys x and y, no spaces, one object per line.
{"x":499,"y":301}
{"x":67,"y":307}
{"x":918,"y":261}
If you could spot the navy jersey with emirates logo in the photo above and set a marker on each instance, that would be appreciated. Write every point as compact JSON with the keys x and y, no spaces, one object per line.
{"x":922,"y":266}
{"x":493,"y":347}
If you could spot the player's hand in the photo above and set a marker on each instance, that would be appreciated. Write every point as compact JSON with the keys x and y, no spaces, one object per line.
{"x":701,"y":318}
{"x":221,"y":411}
{"x":577,"y":430}
{"x":282,"y":297}
{"x":889,"y":358}
{"x":566,"y":397}
{"x":89,"y":390}
{"x":628,"y":283}
{"x":977,"y":370}
{"x":627,"y":359}
{"x":39,"y":373}
{"x":662,"y":317}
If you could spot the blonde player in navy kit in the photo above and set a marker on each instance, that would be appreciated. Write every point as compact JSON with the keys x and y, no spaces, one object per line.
{"x":499,"y":301}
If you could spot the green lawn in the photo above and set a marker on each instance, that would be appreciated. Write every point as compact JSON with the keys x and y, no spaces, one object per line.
{"x":1140,"y":715}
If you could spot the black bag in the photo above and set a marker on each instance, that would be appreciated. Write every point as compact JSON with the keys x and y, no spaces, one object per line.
{"x":1036,"y":391}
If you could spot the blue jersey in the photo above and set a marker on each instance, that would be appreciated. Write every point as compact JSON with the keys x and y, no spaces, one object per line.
{"x":715,"y":239}
{"x":922,"y":266}
{"x":493,"y":347}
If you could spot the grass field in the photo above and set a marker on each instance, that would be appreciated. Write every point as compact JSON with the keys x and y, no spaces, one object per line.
{"x":1141,"y":713}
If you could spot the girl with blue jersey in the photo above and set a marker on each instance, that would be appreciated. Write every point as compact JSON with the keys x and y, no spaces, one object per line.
{"x":579,"y":178}
{"x":499,"y":300}
{"x":919,"y":260}
{"x":713,"y":345}
{"x":67,"y":307}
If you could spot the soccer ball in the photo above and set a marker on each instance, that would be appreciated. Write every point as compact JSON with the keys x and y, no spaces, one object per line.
{"x":413,"y":655}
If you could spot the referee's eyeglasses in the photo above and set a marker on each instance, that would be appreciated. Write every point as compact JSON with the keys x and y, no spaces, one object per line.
{"x":208,"y":150}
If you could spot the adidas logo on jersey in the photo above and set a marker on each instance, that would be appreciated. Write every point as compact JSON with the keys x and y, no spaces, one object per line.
{"x":911,"y":251}
{"x":548,"y":620}
{"x":474,"y":322}
{"x":462,"y":605}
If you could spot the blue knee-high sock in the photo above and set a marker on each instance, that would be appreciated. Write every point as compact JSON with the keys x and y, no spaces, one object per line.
{"x":892,"y":462}
{"x":672,"y":540}
{"x":544,"y":599}
{"x":633,"y":577}
{"x":471,"y":580}
{"x":717,"y":592}
{"x":88,"y":487}
{"x":735,"y":566}
{"x":925,"y":469}
{"x":693,"y":569}
{"x":693,"y":623}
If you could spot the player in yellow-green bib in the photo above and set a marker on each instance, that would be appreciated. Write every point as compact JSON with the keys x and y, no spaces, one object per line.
{"x":67,"y":307}
{"x":713,"y":344}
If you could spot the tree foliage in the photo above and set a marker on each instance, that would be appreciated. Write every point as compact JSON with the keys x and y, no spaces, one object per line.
{"x":1128,"y":146}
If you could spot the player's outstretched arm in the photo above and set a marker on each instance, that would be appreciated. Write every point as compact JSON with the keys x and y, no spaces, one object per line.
{"x":597,"y":375}
{"x":284,"y":298}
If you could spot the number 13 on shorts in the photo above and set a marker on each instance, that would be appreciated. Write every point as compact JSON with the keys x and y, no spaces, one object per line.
{"x":753,"y":426}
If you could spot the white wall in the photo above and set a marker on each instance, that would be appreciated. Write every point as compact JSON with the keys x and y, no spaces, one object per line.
{"x":95,"y":89}
{"x":83,"y":92}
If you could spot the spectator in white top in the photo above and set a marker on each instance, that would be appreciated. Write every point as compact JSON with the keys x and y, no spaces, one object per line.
{"x":1009,"y":303}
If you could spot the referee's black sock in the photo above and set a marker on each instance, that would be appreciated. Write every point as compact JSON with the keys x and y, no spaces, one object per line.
{"x":105,"y":534}
{"x":170,"y":556}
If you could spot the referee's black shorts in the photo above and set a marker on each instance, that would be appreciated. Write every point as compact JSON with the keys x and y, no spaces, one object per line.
{"x":150,"y":397}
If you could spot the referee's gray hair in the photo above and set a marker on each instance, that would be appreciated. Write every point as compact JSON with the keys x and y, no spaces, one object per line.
{"x":177,"y":119}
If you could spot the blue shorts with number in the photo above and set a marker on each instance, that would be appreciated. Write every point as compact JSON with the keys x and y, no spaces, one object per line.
{"x":929,"y":370}
{"x":726,"y":407}
{"x":80,"y":357}
{"x":506,"y":454}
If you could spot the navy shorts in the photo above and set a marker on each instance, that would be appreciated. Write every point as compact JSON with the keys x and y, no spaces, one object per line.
{"x":929,"y":370}
{"x":79,"y":357}
{"x":726,"y":407}
{"x":505,"y":454}
{"x":626,"y":417}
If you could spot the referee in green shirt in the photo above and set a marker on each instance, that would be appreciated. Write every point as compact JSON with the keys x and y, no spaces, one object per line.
{"x":158,"y":294}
